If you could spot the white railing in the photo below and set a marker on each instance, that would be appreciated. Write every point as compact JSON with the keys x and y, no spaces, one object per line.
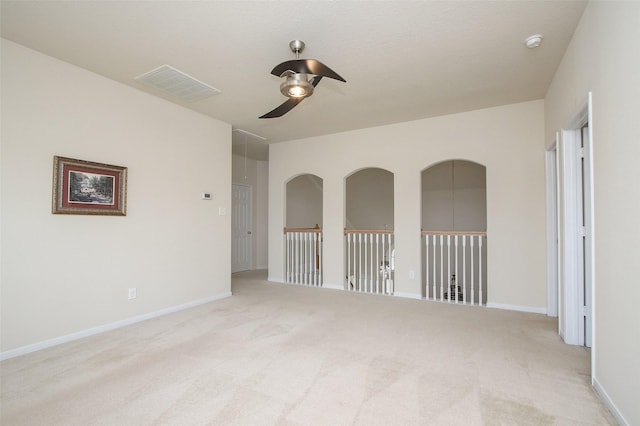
{"x":303,"y":256}
{"x":370,"y":261}
{"x":454,"y":266}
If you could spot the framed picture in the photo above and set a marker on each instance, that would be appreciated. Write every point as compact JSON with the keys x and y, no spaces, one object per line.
{"x":84,"y":187}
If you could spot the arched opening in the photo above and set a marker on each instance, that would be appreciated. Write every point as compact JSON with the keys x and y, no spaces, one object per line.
{"x":369,"y":244}
{"x":303,"y":230}
{"x":454,"y":224}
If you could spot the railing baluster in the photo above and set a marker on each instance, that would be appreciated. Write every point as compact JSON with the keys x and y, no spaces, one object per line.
{"x":319,"y":259}
{"x":456,"y":274}
{"x":314,"y":259}
{"x":480,"y":299}
{"x":366,"y":266}
{"x":449,"y":267}
{"x":307,"y":263}
{"x":348,"y":277}
{"x":354,"y":272}
{"x":381,"y":268}
{"x":473,"y":290}
{"x":287,"y":260}
{"x":392,"y":264}
{"x":426,"y":266}
{"x":435,"y":268}
{"x":464,"y":269}
{"x":441,"y":268}
{"x":359,"y":280}
{"x":310,"y":259}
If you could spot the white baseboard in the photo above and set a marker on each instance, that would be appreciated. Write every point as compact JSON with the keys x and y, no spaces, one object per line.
{"x":106,"y":327}
{"x":408,"y":295}
{"x":604,"y":396}
{"x":530,"y":309}
{"x":275,"y":280}
{"x":333,"y":286}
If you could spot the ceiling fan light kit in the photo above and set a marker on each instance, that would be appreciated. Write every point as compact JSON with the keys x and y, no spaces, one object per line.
{"x":297,"y":86}
{"x":301,"y":77}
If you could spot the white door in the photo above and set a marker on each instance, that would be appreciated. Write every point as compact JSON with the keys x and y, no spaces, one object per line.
{"x":577,"y":223}
{"x":587,"y":240}
{"x":241,"y":234}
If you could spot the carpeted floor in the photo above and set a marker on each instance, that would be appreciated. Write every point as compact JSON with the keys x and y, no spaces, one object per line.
{"x":276,"y":354}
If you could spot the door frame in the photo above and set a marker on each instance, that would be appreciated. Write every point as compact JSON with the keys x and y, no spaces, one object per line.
{"x":576,"y":261}
{"x":553,"y":215}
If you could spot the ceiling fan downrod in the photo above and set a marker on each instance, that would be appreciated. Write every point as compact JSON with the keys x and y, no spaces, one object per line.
{"x":296,"y":47}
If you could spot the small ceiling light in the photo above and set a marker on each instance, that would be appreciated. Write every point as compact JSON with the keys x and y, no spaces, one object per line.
{"x":533,"y":41}
{"x":296,"y":86}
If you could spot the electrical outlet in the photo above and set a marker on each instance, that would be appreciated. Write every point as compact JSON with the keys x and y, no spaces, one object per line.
{"x":412,"y":275}
{"x":132,"y":293}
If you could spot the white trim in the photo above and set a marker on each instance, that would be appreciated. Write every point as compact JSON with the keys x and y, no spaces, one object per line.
{"x":106,"y":327}
{"x":408,"y":295}
{"x":591,"y":236}
{"x":276,"y":280}
{"x":604,"y":396}
{"x":333,"y":286}
{"x":551,"y":159}
{"x":530,"y":309}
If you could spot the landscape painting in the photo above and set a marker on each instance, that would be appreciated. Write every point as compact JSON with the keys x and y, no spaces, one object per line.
{"x":91,"y":188}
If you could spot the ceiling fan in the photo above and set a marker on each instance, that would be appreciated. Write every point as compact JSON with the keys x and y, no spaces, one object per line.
{"x":301,"y":77}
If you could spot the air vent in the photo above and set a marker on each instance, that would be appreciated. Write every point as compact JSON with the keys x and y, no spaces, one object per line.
{"x":177,"y":84}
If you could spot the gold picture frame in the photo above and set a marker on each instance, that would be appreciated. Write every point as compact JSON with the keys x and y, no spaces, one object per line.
{"x":85,"y":187}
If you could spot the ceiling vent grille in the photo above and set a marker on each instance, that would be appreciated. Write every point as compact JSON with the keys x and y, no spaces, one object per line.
{"x":177,"y":84}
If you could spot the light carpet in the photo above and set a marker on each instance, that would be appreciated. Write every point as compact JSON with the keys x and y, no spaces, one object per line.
{"x":277,"y":354}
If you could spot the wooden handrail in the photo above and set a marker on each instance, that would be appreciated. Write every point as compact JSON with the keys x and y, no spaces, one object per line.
{"x":287,"y":230}
{"x":482,"y":233}
{"x":367,"y":231}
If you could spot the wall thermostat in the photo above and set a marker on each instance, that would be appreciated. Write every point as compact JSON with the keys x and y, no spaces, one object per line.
{"x":206,"y":196}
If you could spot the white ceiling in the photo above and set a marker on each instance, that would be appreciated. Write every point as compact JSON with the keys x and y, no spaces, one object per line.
{"x":403,"y":60}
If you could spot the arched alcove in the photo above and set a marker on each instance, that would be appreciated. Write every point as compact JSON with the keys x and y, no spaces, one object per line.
{"x":369,"y":239}
{"x":454,"y":240}
{"x":303,"y":230}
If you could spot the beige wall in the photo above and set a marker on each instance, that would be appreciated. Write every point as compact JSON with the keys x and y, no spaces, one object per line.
{"x":603,"y":58}
{"x":65,"y":274}
{"x":454,"y":197}
{"x":507,"y":140}
{"x":369,"y":200}
{"x":304,"y":202}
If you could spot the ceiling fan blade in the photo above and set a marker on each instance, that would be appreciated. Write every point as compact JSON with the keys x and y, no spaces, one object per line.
{"x":306,"y":66}
{"x":283,"y":108}
{"x":315,"y":80}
